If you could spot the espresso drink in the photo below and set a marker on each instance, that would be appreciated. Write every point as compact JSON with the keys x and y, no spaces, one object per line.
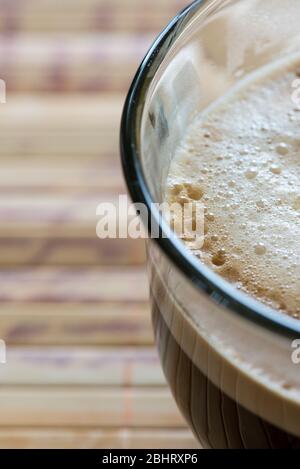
{"x":243,"y":157}
{"x":240,"y":159}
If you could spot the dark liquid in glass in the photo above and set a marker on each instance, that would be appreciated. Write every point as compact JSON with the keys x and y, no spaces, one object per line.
{"x":217,"y":420}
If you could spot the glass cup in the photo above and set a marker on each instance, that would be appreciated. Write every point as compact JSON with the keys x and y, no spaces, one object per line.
{"x":231,"y":362}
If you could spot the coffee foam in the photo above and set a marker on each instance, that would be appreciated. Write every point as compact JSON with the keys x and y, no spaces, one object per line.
{"x":242,"y":156}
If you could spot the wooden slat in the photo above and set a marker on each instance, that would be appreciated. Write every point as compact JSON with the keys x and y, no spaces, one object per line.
{"x":59,"y":227}
{"x":106,"y":323}
{"x":75,"y":366}
{"x":74,"y":15}
{"x":68,"y":251}
{"x":62,"y":63}
{"x":80,"y":407}
{"x":60,"y":127}
{"x":34,"y":175}
{"x":66,"y":144}
{"x":52,"y":130}
{"x":54,"y":112}
{"x":157,"y":438}
{"x":61,"y":230}
{"x":62,"y":285}
{"x":33,"y":113}
{"x":63,"y":216}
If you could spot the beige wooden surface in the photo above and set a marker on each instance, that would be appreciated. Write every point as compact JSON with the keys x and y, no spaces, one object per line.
{"x":82,"y":371}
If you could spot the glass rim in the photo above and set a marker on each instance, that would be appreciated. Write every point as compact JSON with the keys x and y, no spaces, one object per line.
{"x":203,"y":278}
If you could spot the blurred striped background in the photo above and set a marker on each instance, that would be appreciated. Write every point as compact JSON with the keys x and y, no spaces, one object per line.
{"x":81,"y":367}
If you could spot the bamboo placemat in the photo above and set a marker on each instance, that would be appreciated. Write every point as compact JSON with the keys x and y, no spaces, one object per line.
{"x":82,"y":370}
{"x":91,"y":15}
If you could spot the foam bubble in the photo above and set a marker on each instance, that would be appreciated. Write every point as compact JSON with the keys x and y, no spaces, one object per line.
{"x":282,"y":149}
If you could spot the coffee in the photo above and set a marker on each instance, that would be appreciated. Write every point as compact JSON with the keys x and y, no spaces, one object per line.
{"x":242,"y":156}
{"x":218,"y":420}
{"x":234,"y":381}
